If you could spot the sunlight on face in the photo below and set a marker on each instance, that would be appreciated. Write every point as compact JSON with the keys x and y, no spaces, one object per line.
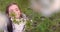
{"x":15,"y":9}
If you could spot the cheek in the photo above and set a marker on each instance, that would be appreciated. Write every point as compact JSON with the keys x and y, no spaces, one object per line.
{"x":17,"y":12}
{"x":9,"y":12}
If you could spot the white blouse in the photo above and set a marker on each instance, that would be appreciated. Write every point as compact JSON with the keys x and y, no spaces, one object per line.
{"x":18,"y":27}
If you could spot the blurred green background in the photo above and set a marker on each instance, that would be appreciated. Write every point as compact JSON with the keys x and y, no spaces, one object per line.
{"x":39,"y":23}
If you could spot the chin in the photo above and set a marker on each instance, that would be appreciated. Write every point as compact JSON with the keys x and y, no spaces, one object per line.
{"x":45,"y":7}
{"x":3,"y":21}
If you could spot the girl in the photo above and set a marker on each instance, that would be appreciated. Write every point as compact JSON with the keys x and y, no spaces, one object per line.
{"x":17,"y":19}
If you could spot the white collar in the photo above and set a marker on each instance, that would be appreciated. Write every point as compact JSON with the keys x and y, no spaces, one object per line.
{"x":21,"y":20}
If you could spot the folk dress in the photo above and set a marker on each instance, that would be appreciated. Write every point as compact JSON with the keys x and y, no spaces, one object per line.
{"x":17,"y":26}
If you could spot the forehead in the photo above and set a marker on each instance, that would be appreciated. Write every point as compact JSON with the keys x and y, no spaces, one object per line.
{"x":13,"y":7}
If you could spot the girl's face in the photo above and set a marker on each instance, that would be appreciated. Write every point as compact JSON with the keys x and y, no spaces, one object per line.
{"x":14,"y":8}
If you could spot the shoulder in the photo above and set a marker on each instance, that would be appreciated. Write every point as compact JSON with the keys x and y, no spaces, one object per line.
{"x":24,"y":16}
